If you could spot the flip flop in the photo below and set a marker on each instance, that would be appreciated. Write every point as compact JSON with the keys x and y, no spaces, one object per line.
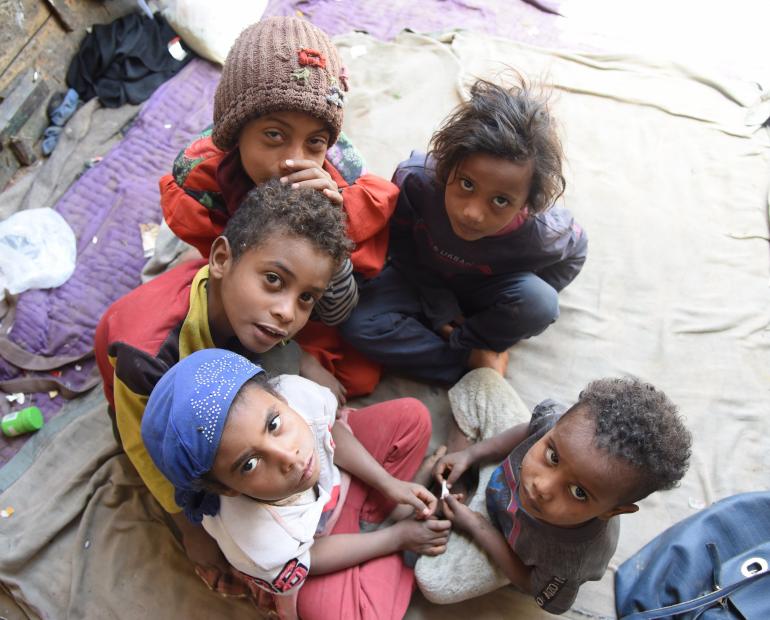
{"x":50,"y":139}
{"x":60,"y":114}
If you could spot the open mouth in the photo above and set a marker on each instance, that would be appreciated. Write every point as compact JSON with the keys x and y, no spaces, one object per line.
{"x":272,"y":332}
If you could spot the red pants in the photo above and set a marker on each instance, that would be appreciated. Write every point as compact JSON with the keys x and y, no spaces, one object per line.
{"x":358,"y":374}
{"x":396,"y":433}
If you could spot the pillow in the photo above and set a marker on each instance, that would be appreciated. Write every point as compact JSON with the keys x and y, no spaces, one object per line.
{"x":210,"y":28}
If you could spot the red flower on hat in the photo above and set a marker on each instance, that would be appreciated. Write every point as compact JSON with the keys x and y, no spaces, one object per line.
{"x":312,"y":58}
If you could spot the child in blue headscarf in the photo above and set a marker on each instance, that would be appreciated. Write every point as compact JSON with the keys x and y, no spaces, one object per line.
{"x":256,"y":461}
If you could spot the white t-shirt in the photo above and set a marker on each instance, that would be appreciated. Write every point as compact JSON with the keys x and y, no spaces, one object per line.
{"x":271,"y":543}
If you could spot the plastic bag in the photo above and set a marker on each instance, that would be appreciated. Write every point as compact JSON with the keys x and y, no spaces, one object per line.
{"x":37,"y":250}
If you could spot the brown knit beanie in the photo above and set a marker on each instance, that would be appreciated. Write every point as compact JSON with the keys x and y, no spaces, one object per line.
{"x":279,"y":63}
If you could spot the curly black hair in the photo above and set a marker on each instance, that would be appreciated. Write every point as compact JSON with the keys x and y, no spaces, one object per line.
{"x":639,"y":424}
{"x":273,"y":208}
{"x":512,"y":123}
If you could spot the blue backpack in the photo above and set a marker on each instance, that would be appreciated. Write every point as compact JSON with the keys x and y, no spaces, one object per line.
{"x":711,"y":566}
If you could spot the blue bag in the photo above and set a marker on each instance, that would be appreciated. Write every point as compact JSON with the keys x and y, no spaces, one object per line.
{"x":711,"y":566}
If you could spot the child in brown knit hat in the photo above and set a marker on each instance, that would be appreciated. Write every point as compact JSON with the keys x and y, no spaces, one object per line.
{"x":277,"y":110}
{"x":280,"y":64}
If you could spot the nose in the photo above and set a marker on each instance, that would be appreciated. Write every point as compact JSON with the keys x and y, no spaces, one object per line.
{"x":283,"y":309}
{"x":473,"y":212}
{"x":287,"y":458}
{"x":541,"y":489}
{"x":292,"y":151}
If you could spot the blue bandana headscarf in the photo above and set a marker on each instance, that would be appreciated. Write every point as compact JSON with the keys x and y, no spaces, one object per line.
{"x":183,"y":421}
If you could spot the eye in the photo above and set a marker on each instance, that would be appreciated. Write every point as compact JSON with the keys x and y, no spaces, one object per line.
{"x":318,"y":143}
{"x":466,"y":185}
{"x":250,"y":465}
{"x":500,"y":201}
{"x":273,"y":135}
{"x":273,"y":279}
{"x":578,"y":493}
{"x":551,"y":456}
{"x":307,"y":298}
{"x":274,"y":424}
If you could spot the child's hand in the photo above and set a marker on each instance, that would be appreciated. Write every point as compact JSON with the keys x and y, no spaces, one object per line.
{"x":462,"y":517}
{"x":427,"y":537}
{"x":310,"y":368}
{"x":307,"y":173}
{"x":455,"y":463}
{"x":412,"y":494}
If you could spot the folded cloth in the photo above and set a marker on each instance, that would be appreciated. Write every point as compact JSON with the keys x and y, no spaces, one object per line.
{"x":126,"y":60}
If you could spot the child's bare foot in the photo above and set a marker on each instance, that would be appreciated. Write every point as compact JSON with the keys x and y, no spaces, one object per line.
{"x":483,"y":358}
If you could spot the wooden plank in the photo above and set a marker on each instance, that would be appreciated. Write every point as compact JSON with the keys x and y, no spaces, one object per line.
{"x":28,"y":96}
{"x":49,"y":52}
{"x":22,"y":148}
{"x":20,"y":21}
{"x":9,"y":165}
{"x":66,"y":17}
{"x":32,"y":38}
{"x":51,"y":49}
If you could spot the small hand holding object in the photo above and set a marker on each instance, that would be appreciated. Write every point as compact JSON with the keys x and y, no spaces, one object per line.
{"x":455,"y":463}
{"x":462,"y":517}
{"x":307,"y":173}
{"x":413,"y":494}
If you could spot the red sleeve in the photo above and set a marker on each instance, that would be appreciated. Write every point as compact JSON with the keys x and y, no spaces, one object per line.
{"x":188,"y":218}
{"x":369,"y":203}
{"x":191,"y":197}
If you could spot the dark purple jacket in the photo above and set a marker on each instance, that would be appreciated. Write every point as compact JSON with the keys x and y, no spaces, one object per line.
{"x":551,"y":244}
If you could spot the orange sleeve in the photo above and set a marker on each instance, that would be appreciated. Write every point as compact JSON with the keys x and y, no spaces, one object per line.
{"x":191,"y":197}
{"x":369,"y":203}
{"x":188,"y":218}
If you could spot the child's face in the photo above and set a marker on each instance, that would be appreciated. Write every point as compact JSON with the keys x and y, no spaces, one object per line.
{"x":266,"y":142}
{"x":267,"y":450}
{"x":267,"y":295}
{"x":565,"y":480}
{"x":485,"y":193}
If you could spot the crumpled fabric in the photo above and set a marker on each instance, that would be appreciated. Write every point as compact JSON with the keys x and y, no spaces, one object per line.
{"x":125,"y":61}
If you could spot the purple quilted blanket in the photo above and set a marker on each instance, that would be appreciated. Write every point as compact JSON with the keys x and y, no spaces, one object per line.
{"x":108,"y":203}
{"x":519,"y":20}
{"x":105,"y":207}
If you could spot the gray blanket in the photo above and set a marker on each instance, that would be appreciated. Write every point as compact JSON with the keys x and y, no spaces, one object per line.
{"x":671,"y":183}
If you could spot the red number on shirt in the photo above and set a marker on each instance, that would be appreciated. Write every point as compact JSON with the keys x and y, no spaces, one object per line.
{"x":292,"y":575}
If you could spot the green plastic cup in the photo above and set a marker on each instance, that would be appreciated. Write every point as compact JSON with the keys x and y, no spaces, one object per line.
{"x":23,"y":421}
